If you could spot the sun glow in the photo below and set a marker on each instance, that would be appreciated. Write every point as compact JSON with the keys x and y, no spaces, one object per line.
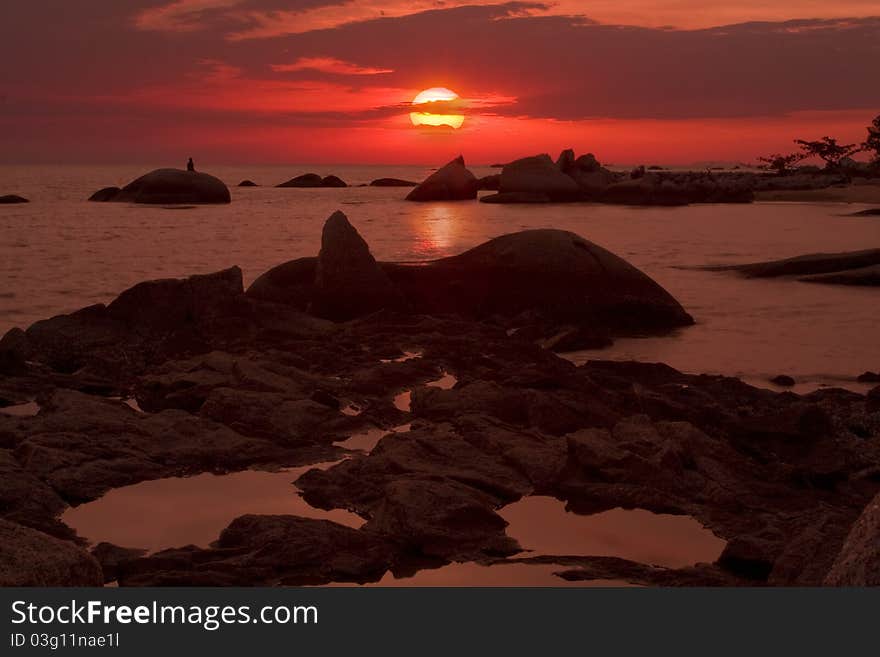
{"x":437,"y":98}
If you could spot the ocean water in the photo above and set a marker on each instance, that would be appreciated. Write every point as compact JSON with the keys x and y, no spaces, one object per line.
{"x":59,"y":253}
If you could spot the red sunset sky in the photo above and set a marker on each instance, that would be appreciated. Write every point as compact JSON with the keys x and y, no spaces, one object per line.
{"x":327,"y":81}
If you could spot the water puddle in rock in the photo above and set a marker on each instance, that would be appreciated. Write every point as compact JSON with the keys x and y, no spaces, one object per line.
{"x":407,"y":355}
{"x":179,"y":511}
{"x":542,"y":525}
{"x":28,"y":409}
{"x":474,"y":574}
{"x":446,"y":381}
{"x":351,"y":409}
{"x":403,"y":401}
{"x":365,"y":441}
{"x":131,"y":402}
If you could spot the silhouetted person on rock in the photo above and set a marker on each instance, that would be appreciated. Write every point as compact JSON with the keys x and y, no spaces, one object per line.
{"x":190,"y":166}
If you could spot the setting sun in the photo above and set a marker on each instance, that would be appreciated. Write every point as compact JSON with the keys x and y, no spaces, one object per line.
{"x":437,"y":98}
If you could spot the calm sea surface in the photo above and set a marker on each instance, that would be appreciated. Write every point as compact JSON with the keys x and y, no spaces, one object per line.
{"x":59,"y":253}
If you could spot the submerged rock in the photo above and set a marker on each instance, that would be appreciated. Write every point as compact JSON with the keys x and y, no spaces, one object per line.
{"x":247,"y":183}
{"x":348,"y":282}
{"x":870,"y":212}
{"x":452,"y":182}
{"x":392,"y":182}
{"x":805,"y":265}
{"x":169,"y":186}
{"x":863,"y":276}
{"x":12,"y":198}
{"x":783,"y":380}
{"x":31,"y":558}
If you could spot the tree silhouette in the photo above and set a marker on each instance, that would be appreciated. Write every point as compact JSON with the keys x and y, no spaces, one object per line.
{"x":828,"y":150}
{"x":779,"y":163}
{"x":872,"y":143}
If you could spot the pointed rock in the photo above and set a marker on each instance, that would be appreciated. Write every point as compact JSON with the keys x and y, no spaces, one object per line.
{"x":452,"y":182}
{"x":348,"y":282}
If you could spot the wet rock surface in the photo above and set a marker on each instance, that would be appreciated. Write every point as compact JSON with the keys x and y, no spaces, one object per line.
{"x":31,"y":558}
{"x":229,"y":381}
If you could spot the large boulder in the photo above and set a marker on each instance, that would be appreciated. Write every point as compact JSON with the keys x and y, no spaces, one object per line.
{"x":31,"y":558}
{"x":554,"y":273}
{"x":348,"y":282}
{"x":12,"y":198}
{"x":174,"y":302}
{"x":170,"y":186}
{"x":538,"y":175}
{"x":452,"y":182}
{"x":858,"y":563}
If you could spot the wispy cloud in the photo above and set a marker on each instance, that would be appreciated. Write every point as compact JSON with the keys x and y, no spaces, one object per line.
{"x":328,"y":65}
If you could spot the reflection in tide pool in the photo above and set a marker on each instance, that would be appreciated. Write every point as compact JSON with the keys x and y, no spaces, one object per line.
{"x":179,"y":511}
{"x":542,"y":525}
{"x":474,"y":574}
{"x":28,"y":409}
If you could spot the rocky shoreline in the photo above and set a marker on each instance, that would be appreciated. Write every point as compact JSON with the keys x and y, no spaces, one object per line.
{"x":227,"y":379}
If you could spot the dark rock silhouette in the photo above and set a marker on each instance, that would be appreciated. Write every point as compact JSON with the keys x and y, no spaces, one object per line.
{"x":392,"y":182}
{"x":304,"y":180}
{"x":167,"y":187}
{"x":805,"y":265}
{"x":490,"y":182}
{"x":12,"y":198}
{"x":451,"y":182}
{"x":348,"y":282}
{"x":314,"y":180}
{"x":862,"y":276}
{"x":870,"y":212}
{"x":247,"y":183}
{"x":783,"y":380}
{"x":869,"y":377}
{"x":538,"y":175}
{"x":105,"y":195}
{"x":554,"y":274}
{"x":333,"y":181}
